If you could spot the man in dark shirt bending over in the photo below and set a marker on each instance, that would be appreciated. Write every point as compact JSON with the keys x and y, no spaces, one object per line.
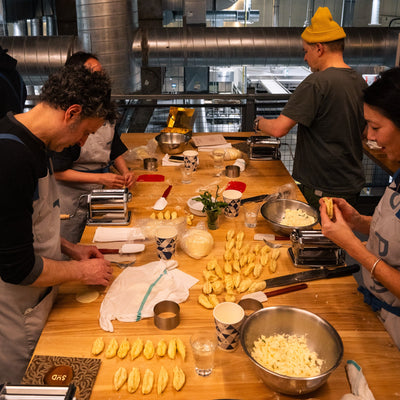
{"x":74,"y":103}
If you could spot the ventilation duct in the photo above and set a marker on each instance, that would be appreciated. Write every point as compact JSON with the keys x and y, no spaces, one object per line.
{"x":39,"y":56}
{"x":196,"y":46}
{"x":107,"y":27}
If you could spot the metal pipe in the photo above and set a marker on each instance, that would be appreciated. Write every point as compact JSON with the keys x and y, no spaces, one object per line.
{"x":107,"y":25}
{"x":193,"y":46}
{"x":376,"y":4}
{"x":39,"y":56}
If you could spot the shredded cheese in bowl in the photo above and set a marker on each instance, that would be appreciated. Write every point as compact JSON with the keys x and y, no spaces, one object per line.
{"x":296,"y":217}
{"x":287,"y":355}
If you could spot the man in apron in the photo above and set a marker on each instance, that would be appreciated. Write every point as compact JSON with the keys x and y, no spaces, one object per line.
{"x":79,"y":170}
{"x":74,"y":103}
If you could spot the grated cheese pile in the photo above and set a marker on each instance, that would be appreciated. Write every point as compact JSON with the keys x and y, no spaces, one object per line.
{"x":287,"y":355}
{"x":296,"y":218}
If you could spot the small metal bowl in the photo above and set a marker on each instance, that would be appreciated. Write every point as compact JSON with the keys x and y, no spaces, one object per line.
{"x":172,"y":142}
{"x":274,"y":210}
{"x":232,"y":171}
{"x":320,"y":335}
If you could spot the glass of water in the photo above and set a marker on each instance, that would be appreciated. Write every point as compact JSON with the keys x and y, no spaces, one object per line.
{"x":251,"y":210}
{"x":203,"y":348}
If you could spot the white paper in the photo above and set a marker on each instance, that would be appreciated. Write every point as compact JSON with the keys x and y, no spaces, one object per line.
{"x":103,"y":234}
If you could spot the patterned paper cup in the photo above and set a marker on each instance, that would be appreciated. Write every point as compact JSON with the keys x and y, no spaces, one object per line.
{"x":190,"y":158}
{"x":228,"y":318}
{"x":166,"y":242}
{"x":232,"y":197}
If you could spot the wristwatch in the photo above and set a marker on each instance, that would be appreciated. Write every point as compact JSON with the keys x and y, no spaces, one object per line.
{"x":256,"y":123}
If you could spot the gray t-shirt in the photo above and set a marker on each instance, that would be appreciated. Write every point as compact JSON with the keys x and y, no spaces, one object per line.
{"x":328,"y":108}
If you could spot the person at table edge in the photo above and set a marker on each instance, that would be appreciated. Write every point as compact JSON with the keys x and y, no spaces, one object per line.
{"x":74,"y":103}
{"x":380,"y":257}
{"x":327,"y":106}
{"x":79,"y":170}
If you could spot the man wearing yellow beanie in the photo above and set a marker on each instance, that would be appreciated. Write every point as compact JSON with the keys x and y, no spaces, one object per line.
{"x":328,"y":108}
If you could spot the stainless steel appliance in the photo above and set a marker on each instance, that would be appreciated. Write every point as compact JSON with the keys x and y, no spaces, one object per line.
{"x":310,"y":248}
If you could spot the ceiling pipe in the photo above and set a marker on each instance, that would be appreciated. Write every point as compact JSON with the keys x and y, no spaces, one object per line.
{"x":376,"y":4}
{"x":193,"y":46}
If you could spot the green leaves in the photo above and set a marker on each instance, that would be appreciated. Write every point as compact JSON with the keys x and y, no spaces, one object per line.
{"x":211,"y":203}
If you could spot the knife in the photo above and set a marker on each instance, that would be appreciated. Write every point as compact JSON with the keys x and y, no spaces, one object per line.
{"x":256,"y":199}
{"x":161,"y":203}
{"x":312,"y":275}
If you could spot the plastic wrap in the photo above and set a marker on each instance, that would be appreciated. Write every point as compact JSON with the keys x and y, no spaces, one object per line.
{"x":197,"y":242}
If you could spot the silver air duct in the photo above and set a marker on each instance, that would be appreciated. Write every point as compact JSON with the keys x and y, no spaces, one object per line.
{"x":197,"y":46}
{"x":39,"y":56}
{"x":107,"y":26}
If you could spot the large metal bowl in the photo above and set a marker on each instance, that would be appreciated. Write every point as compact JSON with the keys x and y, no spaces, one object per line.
{"x":274,"y":210}
{"x":172,"y":142}
{"x":320,"y":335}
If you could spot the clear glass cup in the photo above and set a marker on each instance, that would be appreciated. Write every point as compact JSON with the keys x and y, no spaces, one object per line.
{"x":218,"y":158}
{"x":250,"y":214}
{"x":203,"y":348}
{"x":186,"y":174}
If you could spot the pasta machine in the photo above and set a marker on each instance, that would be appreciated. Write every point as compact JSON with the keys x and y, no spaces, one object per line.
{"x":264,"y":148}
{"x":108,"y":207}
{"x":310,"y":248}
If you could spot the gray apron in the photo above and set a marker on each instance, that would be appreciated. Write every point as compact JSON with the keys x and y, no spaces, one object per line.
{"x":24,"y":309}
{"x":384,"y":241}
{"x":94,"y":157}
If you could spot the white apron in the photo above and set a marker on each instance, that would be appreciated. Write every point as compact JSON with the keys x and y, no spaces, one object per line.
{"x":94,"y":157}
{"x":384,"y":242}
{"x":24,"y":309}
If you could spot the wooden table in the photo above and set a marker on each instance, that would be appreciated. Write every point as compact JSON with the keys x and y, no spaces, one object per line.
{"x":380,"y":158}
{"x":72,"y":326}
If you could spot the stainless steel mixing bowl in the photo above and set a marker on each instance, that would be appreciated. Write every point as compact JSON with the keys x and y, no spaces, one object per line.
{"x":320,"y":335}
{"x":274,"y":210}
{"x":172,"y":142}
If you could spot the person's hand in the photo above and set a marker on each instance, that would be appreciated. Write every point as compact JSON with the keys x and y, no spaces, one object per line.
{"x":129,"y":179}
{"x":337,"y":230}
{"x":82,"y":252}
{"x":113,"y":181}
{"x":96,"y":271}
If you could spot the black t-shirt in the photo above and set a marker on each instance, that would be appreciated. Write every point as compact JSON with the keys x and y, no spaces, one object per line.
{"x":21,"y":165}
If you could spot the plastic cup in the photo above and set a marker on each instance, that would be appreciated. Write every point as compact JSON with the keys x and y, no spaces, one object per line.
{"x":166,"y":238}
{"x":203,"y":349}
{"x":228,"y":318}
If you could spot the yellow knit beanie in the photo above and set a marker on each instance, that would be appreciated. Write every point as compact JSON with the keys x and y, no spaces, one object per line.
{"x":323,"y":28}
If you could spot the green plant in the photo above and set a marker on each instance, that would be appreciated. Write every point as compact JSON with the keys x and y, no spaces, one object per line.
{"x":211,"y":203}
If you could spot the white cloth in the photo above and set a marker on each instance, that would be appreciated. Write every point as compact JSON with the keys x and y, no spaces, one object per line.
{"x":135,"y":292}
{"x":117,"y":234}
{"x":211,"y":148}
{"x":358,"y":383}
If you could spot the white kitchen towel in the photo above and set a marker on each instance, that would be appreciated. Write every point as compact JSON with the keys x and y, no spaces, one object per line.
{"x":358,"y":384}
{"x":103,"y":234}
{"x":135,"y":292}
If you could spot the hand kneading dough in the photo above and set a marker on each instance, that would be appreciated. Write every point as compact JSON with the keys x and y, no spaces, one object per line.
{"x":87,"y":297}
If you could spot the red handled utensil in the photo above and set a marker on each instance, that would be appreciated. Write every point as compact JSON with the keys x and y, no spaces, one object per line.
{"x":286,"y":290}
